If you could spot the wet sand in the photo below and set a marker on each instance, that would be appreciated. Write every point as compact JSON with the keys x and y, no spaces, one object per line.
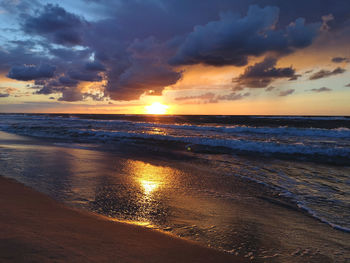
{"x":35,"y":228}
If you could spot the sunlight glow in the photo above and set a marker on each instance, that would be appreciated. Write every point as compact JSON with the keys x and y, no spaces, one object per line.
{"x":156,"y":108}
{"x":149,"y":186}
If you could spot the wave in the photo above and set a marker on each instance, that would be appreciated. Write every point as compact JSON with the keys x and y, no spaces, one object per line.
{"x":239,"y":145}
{"x":43,"y":121}
{"x":287,"y":131}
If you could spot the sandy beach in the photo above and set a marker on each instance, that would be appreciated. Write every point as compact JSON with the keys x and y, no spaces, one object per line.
{"x":35,"y":228}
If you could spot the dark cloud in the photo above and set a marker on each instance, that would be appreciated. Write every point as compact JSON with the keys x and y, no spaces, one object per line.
{"x":340,"y":59}
{"x":312,"y":10}
{"x":67,"y":82}
{"x":84,"y":76}
{"x":270,"y":88}
{"x":71,"y":94}
{"x":348,"y":85}
{"x":295,"y":77}
{"x":4,"y":95}
{"x":286,"y":92}
{"x":141,"y":77}
{"x":206,"y":96}
{"x":326,"y":73}
{"x":233,"y":96}
{"x":56,"y":24}
{"x":31,"y":72}
{"x":95,"y":97}
{"x":261,"y":74}
{"x":210,"y":97}
{"x":95,"y":66}
{"x":230,"y":40}
{"x":68,"y":54}
{"x":132,"y":41}
{"x":323,"y":89}
{"x":308,"y":71}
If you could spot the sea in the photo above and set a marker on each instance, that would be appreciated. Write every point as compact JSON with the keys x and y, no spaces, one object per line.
{"x":303,"y":161}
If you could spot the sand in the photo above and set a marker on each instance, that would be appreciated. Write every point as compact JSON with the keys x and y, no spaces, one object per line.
{"x":36,"y":228}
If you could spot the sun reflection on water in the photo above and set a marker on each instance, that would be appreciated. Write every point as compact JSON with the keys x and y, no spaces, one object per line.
{"x":151,"y":178}
{"x":148,"y":186}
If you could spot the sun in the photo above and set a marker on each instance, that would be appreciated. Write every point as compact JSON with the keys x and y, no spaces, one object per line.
{"x":156,"y":108}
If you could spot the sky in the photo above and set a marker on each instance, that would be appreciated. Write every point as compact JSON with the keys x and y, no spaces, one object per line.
{"x":259,"y":57}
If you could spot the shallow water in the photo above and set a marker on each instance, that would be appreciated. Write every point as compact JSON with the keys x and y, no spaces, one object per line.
{"x":211,"y":200}
{"x":306,"y":159}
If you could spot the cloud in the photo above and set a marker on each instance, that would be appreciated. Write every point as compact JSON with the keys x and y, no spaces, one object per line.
{"x":139,"y":78}
{"x":233,"y":96}
{"x":132,"y":42}
{"x":90,"y":76}
{"x":205,"y":96}
{"x":72,"y":94}
{"x":286,"y":92}
{"x":270,"y":88}
{"x":348,"y":85}
{"x":56,"y":24}
{"x":210,"y":97}
{"x":31,"y":72}
{"x":261,"y":74}
{"x":95,"y":66}
{"x":326,"y":73}
{"x":323,"y":89}
{"x":340,"y":59}
{"x":325,"y":20}
{"x":4,"y":95}
{"x":67,"y":82}
{"x":9,"y":90}
{"x":230,"y":40}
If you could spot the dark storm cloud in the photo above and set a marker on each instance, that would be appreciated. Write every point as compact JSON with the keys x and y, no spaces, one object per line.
{"x":72,"y":94}
{"x":326,"y":73}
{"x":312,"y":10}
{"x":286,"y":92}
{"x":69,"y":54}
{"x":67,"y":82}
{"x":4,"y":95}
{"x":31,"y":72}
{"x":56,"y":24}
{"x":261,"y":74}
{"x":323,"y":89}
{"x":132,"y":45}
{"x":84,"y":76}
{"x":95,"y":66}
{"x":340,"y":59}
{"x":19,"y":55}
{"x":141,"y":77}
{"x":230,"y":40}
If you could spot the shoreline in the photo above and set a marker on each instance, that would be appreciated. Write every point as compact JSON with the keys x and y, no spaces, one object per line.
{"x":251,"y":223}
{"x":38,"y":228}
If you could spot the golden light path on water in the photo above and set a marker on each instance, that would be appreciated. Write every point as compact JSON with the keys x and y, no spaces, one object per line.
{"x":150,"y":178}
{"x":153,"y":182}
{"x":148,"y":186}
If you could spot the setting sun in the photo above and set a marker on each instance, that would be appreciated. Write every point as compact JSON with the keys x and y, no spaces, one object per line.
{"x":156,"y":108}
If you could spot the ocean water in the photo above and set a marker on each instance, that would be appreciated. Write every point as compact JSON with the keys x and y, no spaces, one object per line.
{"x":303,"y":160}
